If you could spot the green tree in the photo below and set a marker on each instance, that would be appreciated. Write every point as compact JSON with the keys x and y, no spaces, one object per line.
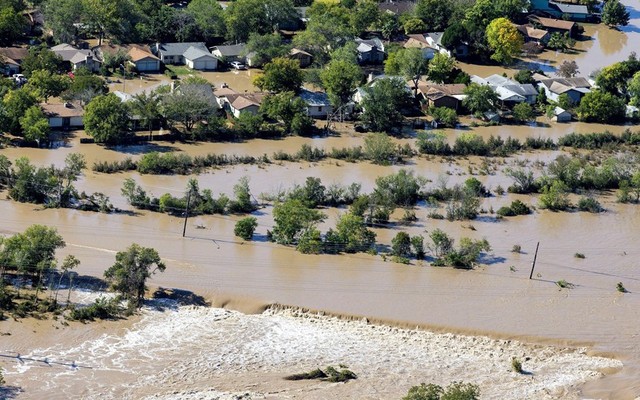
{"x":598,"y":106}
{"x":244,"y":17}
{"x":35,"y":125}
{"x":524,"y":76}
{"x":442,"y":243}
{"x":614,"y":78}
{"x":16,"y":103}
{"x":84,"y":87}
{"x":401,"y":245}
{"x":281,"y":75}
{"x":379,"y":148}
{"x":112,"y":18}
{"x":440,"y":68}
{"x":351,"y":235}
{"x":292,"y":220}
{"x":414,"y":25}
{"x":480,"y":98}
{"x":340,"y":79}
{"x":187,"y":106}
{"x":242,"y":202}
{"x":424,"y":392}
{"x":128,"y":275}
{"x":147,"y":108}
{"x":32,"y":252}
{"x":504,"y":39}
{"x":245,"y":227}
{"x":409,"y":63}
{"x":329,"y":27}
{"x":364,"y":15}
{"x":289,"y":110}
{"x":382,"y":102}
{"x":444,"y":116}
{"x":70,"y":262}
{"x":559,"y":41}
{"x":434,"y":13}
{"x":61,"y":17}
{"x":209,"y":18}
{"x":12,"y":23}
{"x":106,"y":119}
{"x":400,"y":189}
{"x":554,"y":197}
{"x":265,"y":48}
{"x":523,"y":112}
{"x":634,"y":89}
{"x":45,"y":84}
{"x":615,"y":13}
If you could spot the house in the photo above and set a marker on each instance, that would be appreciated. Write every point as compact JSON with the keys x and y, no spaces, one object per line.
{"x":200,"y":59}
{"x":442,"y":95}
{"x":561,"y":115}
{"x":236,"y":103}
{"x":370,"y":51}
{"x":64,"y":116}
{"x":305,"y":59}
{"x":397,"y":7}
{"x":509,"y":91}
{"x":565,"y":10}
{"x":220,"y":95}
{"x":318,"y":104}
{"x":230,"y":53}
{"x":554,"y":25}
{"x":77,"y":58}
{"x":143,"y":60}
{"x":431,"y":44}
{"x":12,"y":58}
{"x":532,"y":34}
{"x":190,"y":54}
{"x":420,"y":42}
{"x":575,"y":88}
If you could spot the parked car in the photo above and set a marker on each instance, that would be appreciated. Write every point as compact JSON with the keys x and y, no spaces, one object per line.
{"x":20,"y":79}
{"x":237,"y":65}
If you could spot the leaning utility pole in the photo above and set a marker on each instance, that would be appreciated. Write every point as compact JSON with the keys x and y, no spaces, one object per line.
{"x":534,"y":261}
{"x":186,"y":213}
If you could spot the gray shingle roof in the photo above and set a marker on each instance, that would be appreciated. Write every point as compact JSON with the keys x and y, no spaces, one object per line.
{"x":178,"y":49}
{"x":233,"y":50}
{"x":194,"y":53}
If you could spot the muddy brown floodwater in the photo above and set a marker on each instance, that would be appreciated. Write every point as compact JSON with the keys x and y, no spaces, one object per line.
{"x":493,"y":299}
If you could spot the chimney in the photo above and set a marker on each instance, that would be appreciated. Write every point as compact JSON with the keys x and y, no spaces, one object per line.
{"x":68,"y":105}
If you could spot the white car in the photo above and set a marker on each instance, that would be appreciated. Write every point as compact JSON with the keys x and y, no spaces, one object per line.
{"x":238,"y":65}
{"x":19,"y":78}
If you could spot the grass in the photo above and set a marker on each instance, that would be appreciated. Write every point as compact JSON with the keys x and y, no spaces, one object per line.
{"x":180,"y":70}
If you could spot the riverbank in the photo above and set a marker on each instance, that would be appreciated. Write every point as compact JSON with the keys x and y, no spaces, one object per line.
{"x":189,"y":352}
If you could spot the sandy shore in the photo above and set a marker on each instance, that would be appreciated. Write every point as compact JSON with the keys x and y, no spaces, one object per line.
{"x":193,"y":352}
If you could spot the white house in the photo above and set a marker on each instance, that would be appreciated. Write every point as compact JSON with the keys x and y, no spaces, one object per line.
{"x":318,"y":104}
{"x":574,"y":88}
{"x":508,"y":90}
{"x":77,"y":57}
{"x":64,"y":116}
{"x":195,"y":55}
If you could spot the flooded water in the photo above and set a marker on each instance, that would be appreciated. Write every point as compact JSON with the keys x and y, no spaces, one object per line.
{"x":493,"y":299}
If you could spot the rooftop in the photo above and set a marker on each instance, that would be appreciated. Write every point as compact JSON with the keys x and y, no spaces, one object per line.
{"x":232,"y":50}
{"x":64,"y":110}
{"x":176,"y":49}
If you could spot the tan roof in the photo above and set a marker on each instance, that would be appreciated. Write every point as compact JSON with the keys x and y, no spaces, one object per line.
{"x":16,"y":54}
{"x":298,"y":51}
{"x":64,"y":110}
{"x":554,"y":23}
{"x":435,"y":91}
{"x":532,"y":32}
{"x":242,"y":101}
{"x":138,"y":54}
{"x":418,"y":41}
{"x":224,"y":91}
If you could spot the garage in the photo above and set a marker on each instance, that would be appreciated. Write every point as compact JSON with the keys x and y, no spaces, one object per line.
{"x":143,"y":60}
{"x":200,"y":60}
{"x":148,"y":65}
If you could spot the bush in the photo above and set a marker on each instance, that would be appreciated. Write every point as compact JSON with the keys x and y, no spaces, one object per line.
{"x":444,"y":116}
{"x":245,"y":228}
{"x":455,"y":391}
{"x":579,"y":255}
{"x":554,"y":197}
{"x":516,"y":365}
{"x":517,"y":207}
{"x":589,"y":204}
{"x":620,"y":288}
{"x":101,"y":309}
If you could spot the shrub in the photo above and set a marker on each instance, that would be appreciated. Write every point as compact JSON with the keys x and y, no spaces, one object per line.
{"x":101,"y":309}
{"x":401,"y":245}
{"x":516,"y":248}
{"x":554,"y":197}
{"x":620,"y":288}
{"x":444,"y":116}
{"x":517,"y":207}
{"x":589,"y":204}
{"x":516,"y":365}
{"x":315,"y":374}
{"x":579,"y":255}
{"x":245,"y":227}
{"x":563,"y":284}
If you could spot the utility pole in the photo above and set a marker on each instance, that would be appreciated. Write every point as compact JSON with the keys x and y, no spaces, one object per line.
{"x":534,"y":261}
{"x":186,"y":213}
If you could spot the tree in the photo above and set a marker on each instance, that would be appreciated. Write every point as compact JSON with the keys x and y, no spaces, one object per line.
{"x":245,"y":227}
{"x":244,"y":17}
{"x":480,"y":98}
{"x":329,"y":27}
{"x":12,"y":24}
{"x":61,"y":17}
{"x":32,"y":252}
{"x":35,"y":125}
{"x":292,"y":220}
{"x":288,"y":109}
{"x":568,"y":69}
{"x":364,"y":15}
{"x":400,"y":189}
{"x":188,"y":105}
{"x":208,"y":16}
{"x":382,"y":103}
{"x":414,"y":25}
{"x":131,"y":270}
{"x":340,"y":79}
{"x":444,"y":116}
{"x":401,"y":245}
{"x":524,"y":76}
{"x":440,"y":67}
{"x":265,"y":48}
{"x":351,"y":235}
{"x":523,"y":112}
{"x":554,"y":197}
{"x":614,"y":78}
{"x":70,"y":262}
{"x":108,"y":18}
{"x":16,"y":103}
{"x":46,"y":84}
{"x":281,"y":75}
{"x":614,"y":13}
{"x":106,"y":118}
{"x":147,"y":108}
{"x":598,"y":106}
{"x":84,"y":87}
{"x":442,"y":243}
{"x":634,"y":89}
{"x":434,"y":13}
{"x":424,"y":392}
{"x":504,"y":39}
{"x":409,"y":63}
{"x":559,"y":41}
{"x":379,"y":148}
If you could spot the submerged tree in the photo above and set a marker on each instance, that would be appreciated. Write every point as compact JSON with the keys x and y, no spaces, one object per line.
{"x":131,"y":270}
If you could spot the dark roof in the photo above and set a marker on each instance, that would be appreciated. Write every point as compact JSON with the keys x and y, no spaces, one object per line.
{"x":15,"y":53}
{"x":176,"y":49}
{"x":398,"y":6}
{"x":567,"y":8}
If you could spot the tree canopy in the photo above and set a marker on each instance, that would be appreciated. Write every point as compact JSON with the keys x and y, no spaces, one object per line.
{"x":615,"y":13}
{"x":106,"y":119}
{"x":281,"y":75}
{"x":382,"y":102}
{"x":504,"y":39}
